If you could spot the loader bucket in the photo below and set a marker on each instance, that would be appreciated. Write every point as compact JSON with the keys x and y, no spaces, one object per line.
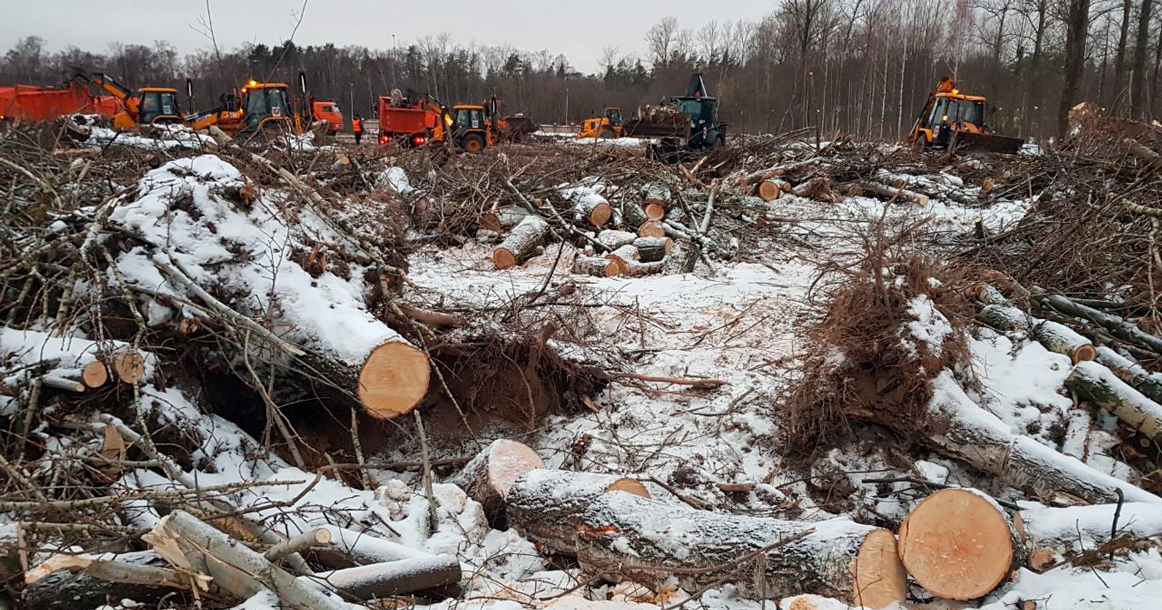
{"x":967,"y":142}
{"x":656,"y":129}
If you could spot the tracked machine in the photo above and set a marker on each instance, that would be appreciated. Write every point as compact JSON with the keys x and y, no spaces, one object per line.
{"x":954,"y":121}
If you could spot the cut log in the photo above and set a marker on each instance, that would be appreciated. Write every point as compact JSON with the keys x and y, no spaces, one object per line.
{"x":1004,"y":318}
{"x":393,"y":379}
{"x":502,"y":218}
{"x":768,"y":190}
{"x":682,"y":259}
{"x":655,"y":543}
{"x":613,"y":239}
{"x":959,"y":544}
{"x":819,"y":189}
{"x":1064,"y":340}
{"x":1076,"y":441}
{"x":625,"y":257}
{"x":1097,"y":384}
{"x":654,"y":211}
{"x":894,"y":193}
{"x":1118,"y":327}
{"x":58,"y":382}
{"x":652,"y":249}
{"x":987,"y":186}
{"x":632,"y":214}
{"x":95,"y":374}
{"x":651,"y":228}
{"x":128,"y":366}
{"x":384,"y":580}
{"x":298,"y":544}
{"x":521,"y":243}
{"x":590,"y":206}
{"x":979,"y":438}
{"x":596,"y":266}
{"x":67,"y":590}
{"x":1149,"y":384}
{"x":351,"y":548}
{"x":545,"y":506}
{"x":236,"y":571}
{"x":1075,"y":529}
{"x":489,"y":476}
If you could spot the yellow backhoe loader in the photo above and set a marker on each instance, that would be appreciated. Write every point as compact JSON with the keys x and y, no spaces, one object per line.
{"x":148,"y":106}
{"x":955,"y":121}
{"x":608,"y":126}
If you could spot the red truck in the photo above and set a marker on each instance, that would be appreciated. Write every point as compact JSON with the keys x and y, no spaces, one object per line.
{"x":329,"y":112}
{"x":31,"y":103}
{"x":410,"y":123}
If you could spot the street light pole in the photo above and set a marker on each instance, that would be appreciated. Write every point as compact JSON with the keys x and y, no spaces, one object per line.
{"x":394,"y":58}
{"x":352,"y":98}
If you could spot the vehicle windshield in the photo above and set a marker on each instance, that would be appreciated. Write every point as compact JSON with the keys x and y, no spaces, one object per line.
{"x":158,"y":103}
{"x":467,"y":118}
{"x":614,"y":116}
{"x":964,"y":111}
{"x":263,"y":103}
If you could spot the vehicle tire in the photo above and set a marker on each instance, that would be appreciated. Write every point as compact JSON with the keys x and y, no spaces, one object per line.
{"x":606,"y":133}
{"x":719,"y":142}
{"x":473,"y":143}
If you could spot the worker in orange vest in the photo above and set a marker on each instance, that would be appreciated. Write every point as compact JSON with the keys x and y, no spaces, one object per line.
{"x":357,"y":127}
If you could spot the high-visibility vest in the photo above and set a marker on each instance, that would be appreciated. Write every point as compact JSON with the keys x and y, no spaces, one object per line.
{"x":356,"y":125}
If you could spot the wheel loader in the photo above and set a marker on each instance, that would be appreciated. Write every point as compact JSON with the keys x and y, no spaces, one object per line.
{"x":686,"y":125}
{"x":607,"y":126}
{"x":954,"y":121}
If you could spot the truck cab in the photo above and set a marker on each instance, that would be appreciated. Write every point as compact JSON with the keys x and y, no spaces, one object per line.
{"x":329,"y":112}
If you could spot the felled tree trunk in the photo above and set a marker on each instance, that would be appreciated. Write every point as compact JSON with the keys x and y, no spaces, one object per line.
{"x":959,"y":544}
{"x":521,"y":243}
{"x":590,"y":206}
{"x":652,"y":542}
{"x":1118,"y":327}
{"x":1149,"y":384}
{"x":596,"y":266}
{"x":1078,"y":528}
{"x":545,"y":506}
{"x":652,"y":249}
{"x":900,"y":194}
{"x":503,"y":218}
{"x":614,"y":239}
{"x":1097,"y":384}
{"x":236,"y":571}
{"x":383,"y":580}
{"x":489,"y":476}
{"x":1064,"y":340}
{"x":68,"y":590}
{"x":818,"y":189}
{"x":682,"y":259}
{"x":979,"y":438}
{"x":770,"y":190}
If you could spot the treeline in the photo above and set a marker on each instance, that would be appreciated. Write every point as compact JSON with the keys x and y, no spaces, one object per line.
{"x":861,"y":67}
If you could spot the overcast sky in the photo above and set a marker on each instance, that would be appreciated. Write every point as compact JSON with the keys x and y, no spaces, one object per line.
{"x":579,"y":29}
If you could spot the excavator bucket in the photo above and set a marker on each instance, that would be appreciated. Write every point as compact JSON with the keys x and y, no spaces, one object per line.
{"x":968,"y":142}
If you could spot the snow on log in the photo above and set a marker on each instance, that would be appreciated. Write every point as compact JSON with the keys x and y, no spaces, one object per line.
{"x":653,"y":249}
{"x":589,"y":205}
{"x":1118,"y":327}
{"x":979,"y":438}
{"x":77,"y":361}
{"x":521,"y":243}
{"x":196,"y":237}
{"x":651,"y":542}
{"x":894,"y":193}
{"x":819,"y":189}
{"x":383,"y":580}
{"x":959,"y":544}
{"x":503,"y":218}
{"x":489,"y":476}
{"x":682,"y":258}
{"x":1076,"y":440}
{"x":597,"y":266}
{"x":1004,"y":318}
{"x":1074,"y":529}
{"x":614,"y":239}
{"x":1100,"y":386}
{"x":1064,"y":340}
{"x":235,"y":570}
{"x":651,"y":228}
{"x":1149,"y":384}
{"x":545,"y":506}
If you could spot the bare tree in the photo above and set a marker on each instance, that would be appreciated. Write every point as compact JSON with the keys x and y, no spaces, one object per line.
{"x":1077,"y":30}
{"x":660,"y":40}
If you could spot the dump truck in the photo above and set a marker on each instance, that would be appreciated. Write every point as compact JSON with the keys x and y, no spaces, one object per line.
{"x":419,"y":119}
{"x":32,"y":103}
{"x":954,"y":121}
{"x":685,"y":124}
{"x":329,"y":112}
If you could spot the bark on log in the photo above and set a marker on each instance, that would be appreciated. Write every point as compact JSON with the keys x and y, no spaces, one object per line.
{"x":299,"y":544}
{"x":1149,"y":384}
{"x":73,"y":590}
{"x":614,"y":239}
{"x":236,"y":571}
{"x":894,"y":193}
{"x":651,"y":228}
{"x":959,"y":544}
{"x":1118,"y":327}
{"x":653,"y":249}
{"x":819,"y":189}
{"x":652,"y":542}
{"x":596,"y":266}
{"x":545,"y":506}
{"x":591,"y":207}
{"x":521,"y":243}
{"x":625,"y":257}
{"x":1077,"y":528}
{"x":383,"y":580}
{"x":979,"y":438}
{"x":489,"y":476}
{"x":1100,"y":386}
{"x":1004,"y":318}
{"x":682,"y":259}
{"x":502,"y":218}
{"x":353,"y":548}
{"x":632,"y":214}
{"x":1064,"y":340}
{"x":1076,"y":441}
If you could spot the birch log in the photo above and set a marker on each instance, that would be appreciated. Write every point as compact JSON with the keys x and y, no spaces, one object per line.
{"x":384,"y":580}
{"x":521,"y":243}
{"x":489,"y":476}
{"x":1075,"y":529}
{"x":965,"y":431}
{"x":653,"y":249}
{"x":894,"y":193}
{"x":632,"y":214}
{"x":503,"y":218}
{"x":1064,"y":340}
{"x":614,"y":239}
{"x":654,"y":543}
{"x":1117,"y":326}
{"x":682,"y":259}
{"x":1149,"y":384}
{"x":1100,"y":386}
{"x":959,"y":544}
{"x":596,"y":266}
{"x":590,"y":206}
{"x":236,"y":571}
{"x":545,"y":506}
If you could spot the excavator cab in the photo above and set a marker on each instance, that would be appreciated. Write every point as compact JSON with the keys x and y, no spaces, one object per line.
{"x":470,"y":130}
{"x":265,"y":105}
{"x":158,"y":105}
{"x":956,"y":121}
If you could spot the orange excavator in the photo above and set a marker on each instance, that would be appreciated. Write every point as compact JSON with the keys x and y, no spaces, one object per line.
{"x":955,"y":121}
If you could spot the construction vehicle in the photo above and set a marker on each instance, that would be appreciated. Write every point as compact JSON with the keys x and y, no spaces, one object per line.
{"x":608,"y":125}
{"x":329,"y":112}
{"x":685,"y":124}
{"x":416,"y":120}
{"x":149,"y":106}
{"x":263,"y":107}
{"x":31,"y":103}
{"x":954,"y":121}
{"x":510,"y":128}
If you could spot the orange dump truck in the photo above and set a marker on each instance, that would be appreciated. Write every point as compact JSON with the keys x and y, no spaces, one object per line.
{"x":412,"y":123}
{"x":329,"y":112}
{"x":31,"y":103}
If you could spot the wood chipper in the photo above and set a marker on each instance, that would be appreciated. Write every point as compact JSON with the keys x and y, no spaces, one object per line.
{"x":955,"y":121}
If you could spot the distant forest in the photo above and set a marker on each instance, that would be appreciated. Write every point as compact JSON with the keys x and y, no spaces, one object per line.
{"x":862,"y":67}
